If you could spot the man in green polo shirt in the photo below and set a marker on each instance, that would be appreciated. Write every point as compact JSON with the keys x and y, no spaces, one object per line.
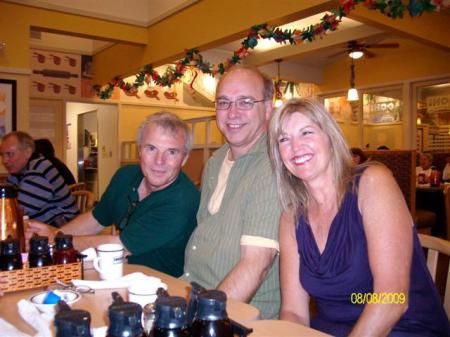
{"x":152,"y":204}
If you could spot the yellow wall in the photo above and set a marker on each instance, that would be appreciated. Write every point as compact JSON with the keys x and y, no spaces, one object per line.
{"x":389,"y":135}
{"x":351,"y":133}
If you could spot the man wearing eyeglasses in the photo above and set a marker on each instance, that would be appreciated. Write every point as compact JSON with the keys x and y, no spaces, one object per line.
{"x":153,"y":204}
{"x":235,"y":245}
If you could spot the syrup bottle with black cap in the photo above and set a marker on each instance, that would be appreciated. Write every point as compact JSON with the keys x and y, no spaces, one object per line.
{"x":39,"y":255}
{"x":125,"y":318}
{"x":64,"y":252}
{"x":72,"y":323}
{"x":170,"y":317}
{"x":211,"y":319}
{"x":10,"y":257}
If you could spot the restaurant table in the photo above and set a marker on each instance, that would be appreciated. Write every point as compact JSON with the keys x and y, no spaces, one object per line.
{"x":97,"y":304}
{"x":432,"y":199}
{"x":276,"y":328}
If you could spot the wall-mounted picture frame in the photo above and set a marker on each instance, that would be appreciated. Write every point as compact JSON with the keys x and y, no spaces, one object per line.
{"x":8,"y":101}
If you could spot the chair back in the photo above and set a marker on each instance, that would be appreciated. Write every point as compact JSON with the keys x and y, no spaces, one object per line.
{"x":77,"y":187}
{"x":402,"y":163}
{"x":447,"y":209}
{"x":436,"y":247}
{"x":84,"y":199}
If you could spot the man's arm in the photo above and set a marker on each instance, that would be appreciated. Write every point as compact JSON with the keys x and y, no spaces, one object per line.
{"x":84,"y":228}
{"x":242,"y":282}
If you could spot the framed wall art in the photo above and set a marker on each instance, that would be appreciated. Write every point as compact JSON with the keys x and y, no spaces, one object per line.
{"x":8,"y":92}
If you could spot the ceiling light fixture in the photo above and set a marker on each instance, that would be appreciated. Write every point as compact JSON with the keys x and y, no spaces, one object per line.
{"x":278,"y":93}
{"x":352,"y":94}
{"x":356,"y":54}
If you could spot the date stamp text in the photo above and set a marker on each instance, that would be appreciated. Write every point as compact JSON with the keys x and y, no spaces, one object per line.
{"x":378,"y":298}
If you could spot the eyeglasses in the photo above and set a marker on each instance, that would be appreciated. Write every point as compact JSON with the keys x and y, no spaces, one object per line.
{"x":131,"y":207}
{"x":242,"y":103}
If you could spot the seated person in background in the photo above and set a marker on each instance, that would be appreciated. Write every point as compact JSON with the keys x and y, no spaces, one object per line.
{"x":43,"y":194}
{"x":45,"y":147}
{"x":423,"y":171}
{"x":358,"y":155}
{"x":346,"y":236}
{"x":446,"y":172}
{"x":152,"y":204}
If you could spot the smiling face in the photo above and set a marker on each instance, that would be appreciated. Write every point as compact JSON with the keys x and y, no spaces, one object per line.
{"x":162,"y":154}
{"x":242,"y":128}
{"x":14,"y":156}
{"x":304,"y":148}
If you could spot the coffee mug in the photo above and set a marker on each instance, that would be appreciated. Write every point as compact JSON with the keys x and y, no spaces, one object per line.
{"x":144,"y":292}
{"x":109,"y":261}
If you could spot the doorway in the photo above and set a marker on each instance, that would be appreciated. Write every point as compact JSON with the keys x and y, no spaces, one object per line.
{"x":92,"y":143}
{"x":87,"y":149}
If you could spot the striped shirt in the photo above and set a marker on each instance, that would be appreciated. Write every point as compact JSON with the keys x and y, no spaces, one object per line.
{"x":43,"y":194}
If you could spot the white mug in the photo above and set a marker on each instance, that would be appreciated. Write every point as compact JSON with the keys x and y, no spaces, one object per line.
{"x":109,"y":261}
{"x":144,"y":292}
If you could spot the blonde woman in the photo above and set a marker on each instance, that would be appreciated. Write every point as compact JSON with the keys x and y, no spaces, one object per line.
{"x":346,"y":236}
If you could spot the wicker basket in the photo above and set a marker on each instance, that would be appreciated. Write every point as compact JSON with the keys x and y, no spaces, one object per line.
{"x":29,"y":278}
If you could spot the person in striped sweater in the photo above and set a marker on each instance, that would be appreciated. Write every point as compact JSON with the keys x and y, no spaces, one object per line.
{"x":42,"y":192}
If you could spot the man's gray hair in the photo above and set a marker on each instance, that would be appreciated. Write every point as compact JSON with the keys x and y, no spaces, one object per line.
{"x":166,"y":120}
{"x":24,"y":139}
{"x":427,"y":155}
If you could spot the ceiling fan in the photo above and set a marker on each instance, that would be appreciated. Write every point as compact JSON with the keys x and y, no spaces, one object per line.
{"x":357,"y":49}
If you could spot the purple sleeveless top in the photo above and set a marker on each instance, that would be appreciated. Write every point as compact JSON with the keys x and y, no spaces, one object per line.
{"x":343,"y":269}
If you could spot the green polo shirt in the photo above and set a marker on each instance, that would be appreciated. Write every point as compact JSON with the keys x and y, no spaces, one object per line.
{"x":156,"y":229}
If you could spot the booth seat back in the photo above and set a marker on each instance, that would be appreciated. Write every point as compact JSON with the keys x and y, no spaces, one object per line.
{"x":402,"y":163}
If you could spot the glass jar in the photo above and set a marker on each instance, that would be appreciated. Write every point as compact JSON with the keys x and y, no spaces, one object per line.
{"x":435,"y":177}
{"x":63,"y":251}
{"x":39,"y":255}
{"x":10,"y":257}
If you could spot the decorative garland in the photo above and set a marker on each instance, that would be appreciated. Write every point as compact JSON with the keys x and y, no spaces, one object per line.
{"x":193,"y":58}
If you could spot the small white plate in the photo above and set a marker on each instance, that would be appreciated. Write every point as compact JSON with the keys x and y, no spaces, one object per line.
{"x":69,"y":296}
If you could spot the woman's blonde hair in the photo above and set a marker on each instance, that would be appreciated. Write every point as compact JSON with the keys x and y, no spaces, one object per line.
{"x":291,"y":190}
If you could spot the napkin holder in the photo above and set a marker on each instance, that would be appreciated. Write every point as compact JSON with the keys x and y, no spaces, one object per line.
{"x":29,"y":278}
